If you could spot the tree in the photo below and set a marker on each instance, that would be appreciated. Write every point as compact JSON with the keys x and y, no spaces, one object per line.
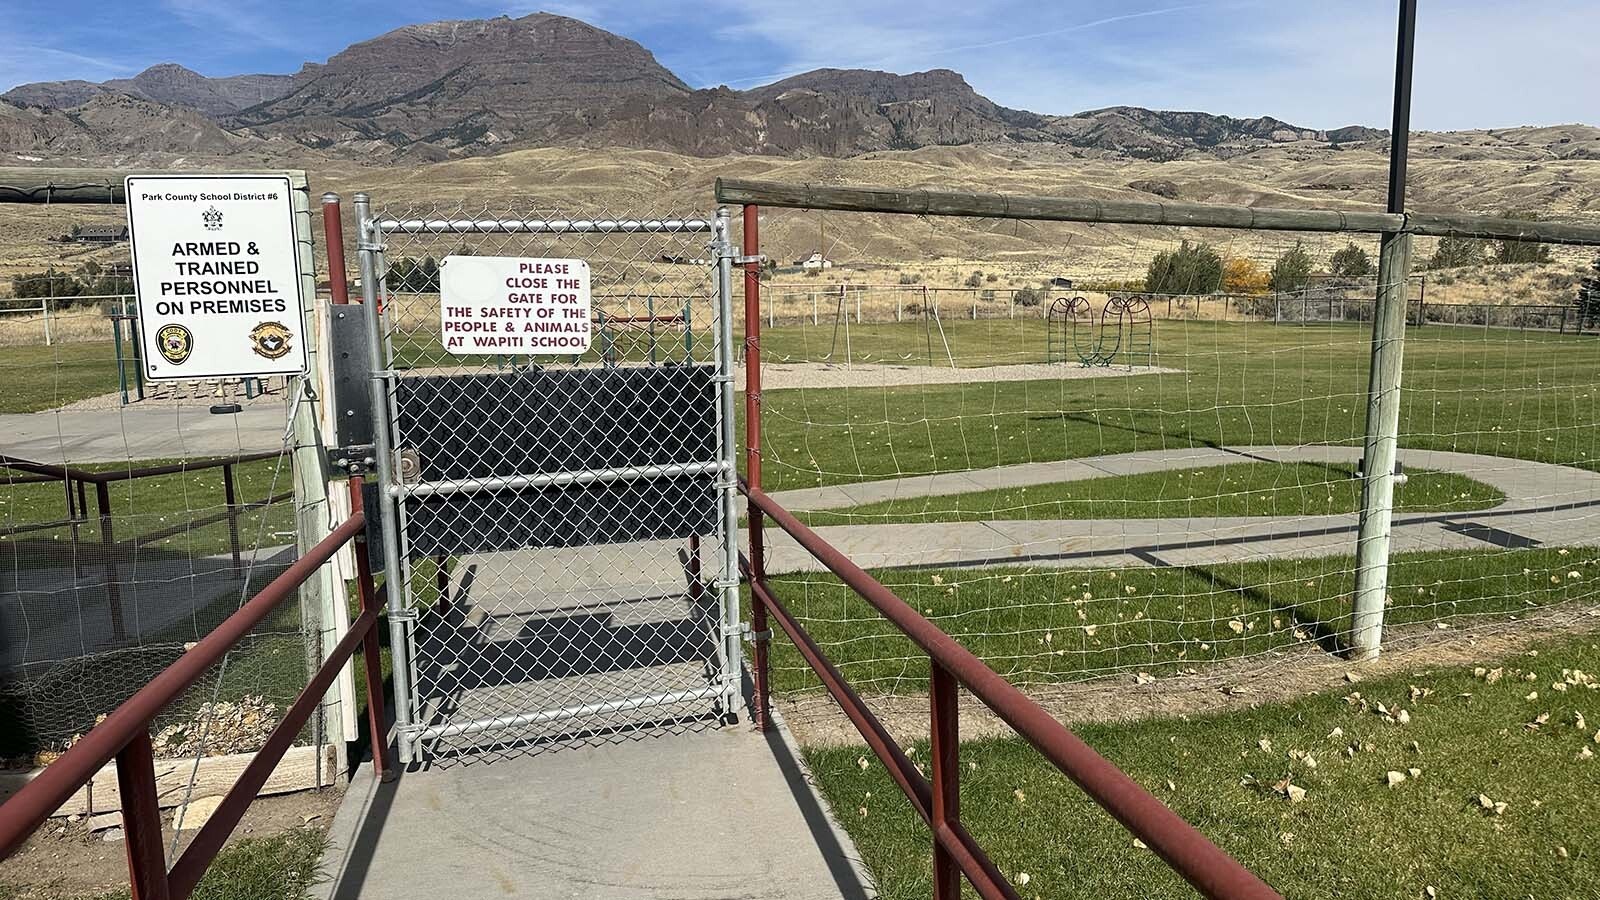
{"x":1520,"y":251}
{"x":1454,"y":252}
{"x":1351,"y":262}
{"x":1243,"y":276}
{"x":1292,"y":271}
{"x":1589,"y":296}
{"x":1185,"y":269}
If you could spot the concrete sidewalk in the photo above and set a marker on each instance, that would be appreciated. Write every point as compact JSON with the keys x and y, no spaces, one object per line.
{"x":163,"y":432}
{"x":721,"y":813}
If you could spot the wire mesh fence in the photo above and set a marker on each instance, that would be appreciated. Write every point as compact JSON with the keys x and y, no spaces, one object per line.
{"x":134,"y":516}
{"x":563,"y":521}
{"x":1071,"y":504}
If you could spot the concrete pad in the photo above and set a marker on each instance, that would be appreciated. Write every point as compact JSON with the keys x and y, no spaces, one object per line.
{"x":99,"y":435}
{"x":719,"y":814}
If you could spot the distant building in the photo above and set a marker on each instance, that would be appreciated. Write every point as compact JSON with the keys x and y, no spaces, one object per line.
{"x":1062,"y":283}
{"x":99,"y":234}
{"x":815,"y":261}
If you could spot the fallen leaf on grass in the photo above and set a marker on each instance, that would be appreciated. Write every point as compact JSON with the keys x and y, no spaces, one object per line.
{"x":1492,"y":807}
{"x":1393,"y":778}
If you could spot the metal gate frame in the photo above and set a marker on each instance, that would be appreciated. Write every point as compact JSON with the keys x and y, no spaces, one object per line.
{"x":726,"y":691}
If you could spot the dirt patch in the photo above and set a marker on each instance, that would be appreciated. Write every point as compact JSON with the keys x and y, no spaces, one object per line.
{"x":1240,"y":684}
{"x":72,"y":860}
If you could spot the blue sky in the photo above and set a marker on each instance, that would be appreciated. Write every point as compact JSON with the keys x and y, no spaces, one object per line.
{"x":1481,"y":63}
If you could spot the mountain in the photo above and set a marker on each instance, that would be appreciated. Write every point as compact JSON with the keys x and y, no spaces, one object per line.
{"x":466,"y":88}
{"x":165,"y":83}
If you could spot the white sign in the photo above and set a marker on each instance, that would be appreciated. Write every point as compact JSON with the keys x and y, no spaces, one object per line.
{"x":217,"y":269}
{"x":512,"y":305}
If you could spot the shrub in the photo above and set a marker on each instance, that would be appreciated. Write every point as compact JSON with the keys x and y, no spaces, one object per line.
{"x":1292,"y":271}
{"x":991,"y":278}
{"x":1454,"y":252}
{"x":1351,"y":262}
{"x":1243,"y":276}
{"x":1520,"y":251}
{"x":1185,"y":269}
{"x":909,"y":278}
{"x":1028,"y":297}
{"x":975,"y":279}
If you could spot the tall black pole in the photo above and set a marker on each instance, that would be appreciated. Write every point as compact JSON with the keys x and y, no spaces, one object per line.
{"x":1400,"y":130}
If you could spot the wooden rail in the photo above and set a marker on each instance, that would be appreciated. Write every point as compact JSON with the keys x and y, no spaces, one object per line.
{"x":919,"y":202}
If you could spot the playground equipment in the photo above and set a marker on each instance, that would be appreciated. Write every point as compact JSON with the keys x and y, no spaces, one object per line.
{"x":1125,"y":329}
{"x":930,"y":323}
{"x":614,"y":331}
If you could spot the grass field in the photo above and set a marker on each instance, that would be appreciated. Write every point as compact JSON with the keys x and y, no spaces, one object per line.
{"x":1497,"y":392}
{"x":34,"y":378}
{"x":1240,"y":489}
{"x":1521,"y":733}
{"x":1059,"y":625}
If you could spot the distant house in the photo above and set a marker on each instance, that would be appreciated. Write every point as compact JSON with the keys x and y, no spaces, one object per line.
{"x":99,"y":234}
{"x":815,"y":261}
{"x":1062,"y":283}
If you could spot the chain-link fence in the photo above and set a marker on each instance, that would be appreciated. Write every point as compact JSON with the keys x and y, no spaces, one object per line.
{"x":1191,"y":511}
{"x":562,"y":516}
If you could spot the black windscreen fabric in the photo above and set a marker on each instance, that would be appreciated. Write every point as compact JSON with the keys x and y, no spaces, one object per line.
{"x":559,"y":420}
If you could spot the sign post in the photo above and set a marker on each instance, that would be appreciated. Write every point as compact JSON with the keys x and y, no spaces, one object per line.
{"x":218,"y":273}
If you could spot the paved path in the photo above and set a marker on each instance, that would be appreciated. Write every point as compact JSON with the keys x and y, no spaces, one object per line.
{"x":112,"y":435}
{"x":1545,"y":503}
{"x":724,"y":813}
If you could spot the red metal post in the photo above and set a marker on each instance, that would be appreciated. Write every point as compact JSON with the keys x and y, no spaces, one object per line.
{"x":369,"y":647}
{"x":944,"y":731}
{"x":333,"y":239}
{"x":141,"y":819}
{"x":752,"y":451}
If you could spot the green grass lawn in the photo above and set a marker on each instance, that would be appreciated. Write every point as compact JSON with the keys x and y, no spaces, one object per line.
{"x":1058,"y":625}
{"x":1497,"y":392}
{"x":35,"y":378}
{"x":161,"y":513}
{"x":1514,"y":738}
{"x":1237,"y":489}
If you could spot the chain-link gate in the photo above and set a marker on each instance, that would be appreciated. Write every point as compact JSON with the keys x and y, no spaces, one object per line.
{"x":559,"y":528}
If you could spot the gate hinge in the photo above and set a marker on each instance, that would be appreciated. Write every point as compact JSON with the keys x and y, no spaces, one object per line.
{"x":743,"y":630}
{"x":742,"y":260}
{"x":357,"y":459}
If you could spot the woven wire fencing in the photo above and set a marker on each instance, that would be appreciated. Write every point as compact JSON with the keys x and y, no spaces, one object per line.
{"x":133,"y":520}
{"x":1109,"y":486}
{"x":561,"y":528}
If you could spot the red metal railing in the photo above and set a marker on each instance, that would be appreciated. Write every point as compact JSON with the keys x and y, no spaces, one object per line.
{"x":124,"y":735}
{"x":938,"y":800}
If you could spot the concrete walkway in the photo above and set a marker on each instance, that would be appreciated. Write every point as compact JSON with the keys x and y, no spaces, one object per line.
{"x":1544,"y":503}
{"x":67,"y":437}
{"x":722,"y":813}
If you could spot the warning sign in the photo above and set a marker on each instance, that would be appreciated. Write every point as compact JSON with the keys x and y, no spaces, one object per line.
{"x":512,"y":305}
{"x":216,"y":267}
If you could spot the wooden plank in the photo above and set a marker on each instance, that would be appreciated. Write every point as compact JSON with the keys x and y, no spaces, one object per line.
{"x":27,"y":184}
{"x":297,"y":771}
{"x":918,"y":202}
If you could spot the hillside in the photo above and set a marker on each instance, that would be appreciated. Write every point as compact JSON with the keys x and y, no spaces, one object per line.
{"x":482,"y":86}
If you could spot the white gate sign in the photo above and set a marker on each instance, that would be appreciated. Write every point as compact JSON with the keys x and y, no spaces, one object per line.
{"x":217,"y":270}
{"x":513,"y":305}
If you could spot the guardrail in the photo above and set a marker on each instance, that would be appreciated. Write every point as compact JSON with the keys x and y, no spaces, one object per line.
{"x":73,"y":480}
{"x":124,"y":735}
{"x":1204,"y":865}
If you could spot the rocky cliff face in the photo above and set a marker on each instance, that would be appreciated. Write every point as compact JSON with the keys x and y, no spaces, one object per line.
{"x":476,"y":87}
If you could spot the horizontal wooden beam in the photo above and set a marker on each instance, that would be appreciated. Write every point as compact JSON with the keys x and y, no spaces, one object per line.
{"x":919,"y":202}
{"x":26,"y":184}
